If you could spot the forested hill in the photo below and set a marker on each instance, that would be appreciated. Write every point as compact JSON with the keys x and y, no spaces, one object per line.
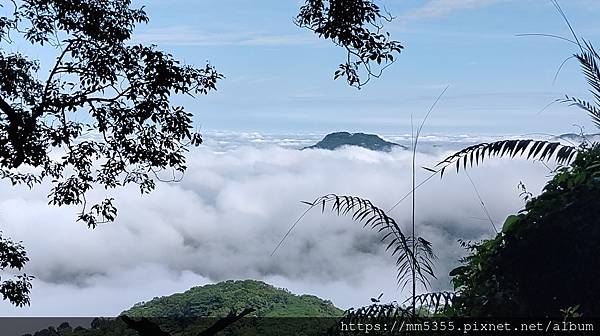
{"x":219,"y":299}
{"x":373,"y":142}
{"x":183,"y":314}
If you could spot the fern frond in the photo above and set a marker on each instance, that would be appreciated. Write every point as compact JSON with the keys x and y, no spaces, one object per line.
{"x":589,"y":65}
{"x":588,"y":59}
{"x":535,"y":149}
{"x":425,"y":257}
{"x":592,"y":110}
{"x":435,"y":302}
{"x":380,"y":314}
{"x":590,"y":49}
{"x":377,"y":313}
{"x":364,"y":211}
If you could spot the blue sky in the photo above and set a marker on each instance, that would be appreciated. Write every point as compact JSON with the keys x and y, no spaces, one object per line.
{"x":279,"y":78}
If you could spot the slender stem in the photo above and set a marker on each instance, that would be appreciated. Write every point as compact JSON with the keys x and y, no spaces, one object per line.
{"x":414,"y":275}
{"x":485,"y":210}
{"x":415,"y":137}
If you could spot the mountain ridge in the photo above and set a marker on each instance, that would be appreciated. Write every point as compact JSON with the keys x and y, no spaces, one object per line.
{"x":333,"y":141}
{"x":218,"y":300}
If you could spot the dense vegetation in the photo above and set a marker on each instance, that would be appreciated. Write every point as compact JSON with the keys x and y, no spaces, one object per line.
{"x":196,"y":310}
{"x":544,"y":262}
{"x":219,"y":299}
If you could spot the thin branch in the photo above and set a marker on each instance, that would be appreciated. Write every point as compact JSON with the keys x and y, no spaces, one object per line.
{"x":549,"y":35}
{"x":481,"y":202}
{"x":290,"y":229}
{"x":39,"y":110}
{"x":564,"y":16}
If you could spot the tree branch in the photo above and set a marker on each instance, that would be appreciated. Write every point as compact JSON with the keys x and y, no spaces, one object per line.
{"x":15,"y":122}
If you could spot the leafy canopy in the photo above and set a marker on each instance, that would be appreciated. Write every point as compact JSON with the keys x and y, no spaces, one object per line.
{"x":356,"y":26}
{"x":13,"y":256}
{"x":103,"y":115}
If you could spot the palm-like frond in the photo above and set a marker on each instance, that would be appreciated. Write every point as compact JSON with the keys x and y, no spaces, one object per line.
{"x":425,"y":256}
{"x":592,"y":110}
{"x":535,"y":149}
{"x":382,"y":314}
{"x":364,"y":211}
{"x":588,"y":59}
{"x":435,"y":302}
{"x":394,"y":316}
{"x":589,"y":64}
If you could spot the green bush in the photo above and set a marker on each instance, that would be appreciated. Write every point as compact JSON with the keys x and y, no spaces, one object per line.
{"x":545,"y":260}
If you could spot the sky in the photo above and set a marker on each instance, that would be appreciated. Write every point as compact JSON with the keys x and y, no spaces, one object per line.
{"x":242,"y":189}
{"x":280,"y":77}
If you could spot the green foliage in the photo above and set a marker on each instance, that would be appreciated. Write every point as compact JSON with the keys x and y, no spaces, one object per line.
{"x":544,"y":262}
{"x":101,"y":84}
{"x":13,"y":256}
{"x":414,"y":257}
{"x":356,"y":26}
{"x":434,"y":303}
{"x":219,"y":299}
{"x":197,"y":311}
{"x":99,"y":327}
{"x":588,"y":59}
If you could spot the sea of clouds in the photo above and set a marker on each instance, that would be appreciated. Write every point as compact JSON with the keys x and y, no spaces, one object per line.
{"x":240,"y":195}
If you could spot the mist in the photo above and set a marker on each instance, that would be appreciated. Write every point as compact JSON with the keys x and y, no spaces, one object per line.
{"x":231,"y":210}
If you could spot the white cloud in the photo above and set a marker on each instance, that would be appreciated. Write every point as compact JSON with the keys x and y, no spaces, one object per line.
{"x":232,"y":208}
{"x":437,"y":8}
{"x":104,"y":295}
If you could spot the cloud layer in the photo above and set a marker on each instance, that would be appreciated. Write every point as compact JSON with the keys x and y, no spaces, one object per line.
{"x":225,"y":218}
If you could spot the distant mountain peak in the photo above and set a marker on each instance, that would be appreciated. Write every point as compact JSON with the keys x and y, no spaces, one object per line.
{"x":336,"y":140}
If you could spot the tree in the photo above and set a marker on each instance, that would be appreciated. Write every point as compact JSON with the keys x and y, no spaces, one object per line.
{"x":99,"y":85}
{"x":123,"y":90}
{"x":103,"y":115}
